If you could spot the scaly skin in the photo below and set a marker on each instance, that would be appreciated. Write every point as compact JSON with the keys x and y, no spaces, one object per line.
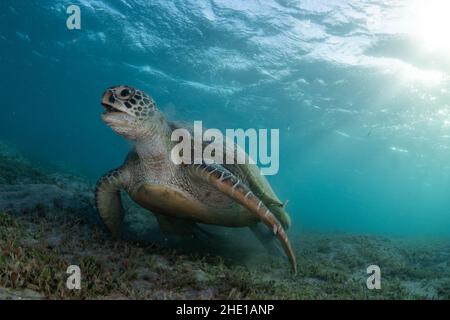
{"x":228,"y":196}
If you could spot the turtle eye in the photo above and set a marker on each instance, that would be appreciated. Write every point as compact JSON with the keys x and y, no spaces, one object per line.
{"x":125,"y":93}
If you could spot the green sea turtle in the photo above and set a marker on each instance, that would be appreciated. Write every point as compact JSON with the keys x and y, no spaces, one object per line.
{"x":181,"y":195}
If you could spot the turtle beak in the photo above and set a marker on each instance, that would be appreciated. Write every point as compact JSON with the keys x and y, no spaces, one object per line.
{"x":108,"y":101}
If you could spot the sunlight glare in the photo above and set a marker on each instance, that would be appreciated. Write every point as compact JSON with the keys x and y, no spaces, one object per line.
{"x":432,"y":24}
{"x":425,"y":77}
{"x":428,"y":77}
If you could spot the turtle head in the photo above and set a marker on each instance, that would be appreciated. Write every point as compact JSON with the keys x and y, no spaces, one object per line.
{"x":128,"y":111}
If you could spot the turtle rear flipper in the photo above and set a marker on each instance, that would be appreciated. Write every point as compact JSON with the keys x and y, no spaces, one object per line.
{"x":262,"y":189}
{"x":226,"y":182}
{"x":181,"y":227}
{"x":267,"y":239}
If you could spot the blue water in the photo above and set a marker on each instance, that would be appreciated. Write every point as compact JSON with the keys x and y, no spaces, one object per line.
{"x":363,"y":109}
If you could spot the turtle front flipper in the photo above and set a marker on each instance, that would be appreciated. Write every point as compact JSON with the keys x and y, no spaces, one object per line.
{"x":226,"y":182}
{"x":108,"y":201}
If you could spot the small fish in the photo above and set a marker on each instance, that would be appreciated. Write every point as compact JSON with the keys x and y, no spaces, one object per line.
{"x":342,"y":133}
{"x":399,"y":150}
